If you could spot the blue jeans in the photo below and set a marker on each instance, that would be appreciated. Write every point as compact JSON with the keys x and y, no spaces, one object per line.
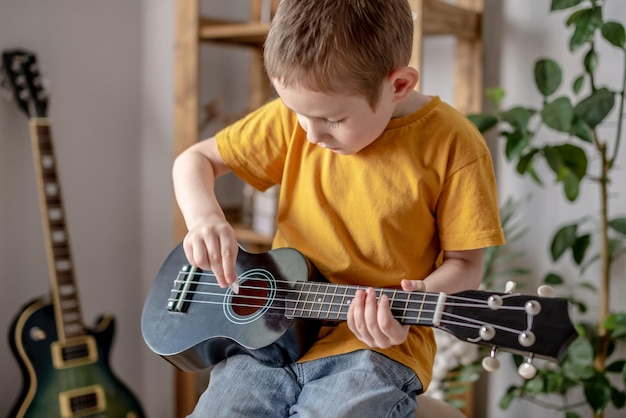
{"x":359,"y":384}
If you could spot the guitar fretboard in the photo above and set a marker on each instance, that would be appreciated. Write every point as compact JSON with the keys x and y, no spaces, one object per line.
{"x":64,"y":291}
{"x":328,"y":301}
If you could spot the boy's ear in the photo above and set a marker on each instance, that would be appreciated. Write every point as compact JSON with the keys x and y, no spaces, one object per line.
{"x":404,"y":80}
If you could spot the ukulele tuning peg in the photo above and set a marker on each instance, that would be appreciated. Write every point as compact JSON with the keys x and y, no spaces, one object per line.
{"x":491,"y":363}
{"x":527,"y":370}
{"x":545,"y":291}
{"x":510,"y":287}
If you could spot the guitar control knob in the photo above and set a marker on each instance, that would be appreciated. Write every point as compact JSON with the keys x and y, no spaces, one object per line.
{"x":527,"y":370}
{"x":545,"y":291}
{"x":491,"y":363}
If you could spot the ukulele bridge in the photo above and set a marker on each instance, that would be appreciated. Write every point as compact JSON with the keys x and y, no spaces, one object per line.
{"x":183,"y":289}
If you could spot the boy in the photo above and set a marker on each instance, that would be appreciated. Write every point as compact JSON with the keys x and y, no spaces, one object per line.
{"x":381,"y":186}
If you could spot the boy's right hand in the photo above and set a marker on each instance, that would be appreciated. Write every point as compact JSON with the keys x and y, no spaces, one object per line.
{"x":211,"y":245}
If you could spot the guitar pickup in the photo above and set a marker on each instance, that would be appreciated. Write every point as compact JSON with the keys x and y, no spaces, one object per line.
{"x":74,"y":352}
{"x":82,"y":402}
{"x":183,"y":290}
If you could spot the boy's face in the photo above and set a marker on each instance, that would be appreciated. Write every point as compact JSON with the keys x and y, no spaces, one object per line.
{"x":342,"y":124}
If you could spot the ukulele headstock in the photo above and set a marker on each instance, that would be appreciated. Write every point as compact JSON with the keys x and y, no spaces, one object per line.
{"x":24,"y":81}
{"x":535,"y":326}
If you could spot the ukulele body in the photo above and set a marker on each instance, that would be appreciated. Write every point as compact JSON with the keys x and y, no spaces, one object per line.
{"x":212,"y":325}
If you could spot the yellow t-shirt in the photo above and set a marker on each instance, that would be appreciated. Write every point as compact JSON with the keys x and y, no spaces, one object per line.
{"x":378,"y":216}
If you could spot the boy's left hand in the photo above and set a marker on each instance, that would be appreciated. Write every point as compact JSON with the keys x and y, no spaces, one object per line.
{"x":371,"y":320}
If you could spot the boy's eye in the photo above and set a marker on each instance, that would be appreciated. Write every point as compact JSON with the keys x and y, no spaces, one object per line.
{"x":333,"y":123}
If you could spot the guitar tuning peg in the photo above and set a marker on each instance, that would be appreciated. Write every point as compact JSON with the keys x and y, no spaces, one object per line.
{"x":491,"y":363}
{"x":545,"y":291}
{"x":510,"y":287}
{"x":527,"y":370}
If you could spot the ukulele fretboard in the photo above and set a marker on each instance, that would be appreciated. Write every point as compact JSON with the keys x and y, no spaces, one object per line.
{"x":327,"y":301}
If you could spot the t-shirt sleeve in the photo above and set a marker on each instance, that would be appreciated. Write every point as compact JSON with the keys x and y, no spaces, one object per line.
{"x":468,"y":212}
{"x":254,"y":148}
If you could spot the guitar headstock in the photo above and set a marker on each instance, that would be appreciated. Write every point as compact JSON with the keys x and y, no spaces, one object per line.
{"x":529,"y":325}
{"x":22,"y":77}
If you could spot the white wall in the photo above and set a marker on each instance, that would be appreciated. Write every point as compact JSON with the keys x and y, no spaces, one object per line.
{"x":110,"y":65}
{"x":91,"y":53}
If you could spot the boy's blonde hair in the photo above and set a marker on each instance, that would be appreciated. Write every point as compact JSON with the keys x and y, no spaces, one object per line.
{"x":339,"y":46}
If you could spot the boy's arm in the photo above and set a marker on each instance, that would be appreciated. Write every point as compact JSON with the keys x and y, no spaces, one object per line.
{"x":372,"y":321}
{"x":210,"y":243}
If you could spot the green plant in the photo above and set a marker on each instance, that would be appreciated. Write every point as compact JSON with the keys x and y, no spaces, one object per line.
{"x":563,"y":132}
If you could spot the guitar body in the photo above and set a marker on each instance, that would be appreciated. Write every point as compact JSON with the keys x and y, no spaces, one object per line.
{"x":215,"y":325}
{"x":87,"y":389}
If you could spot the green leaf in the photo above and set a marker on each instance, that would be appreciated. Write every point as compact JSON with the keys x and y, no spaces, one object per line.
{"x":483,"y":121}
{"x":581,"y":130}
{"x":563,"y":239}
{"x":569,"y":163}
{"x":564,"y":4}
{"x":580,"y":248}
{"x":614,"y":33}
{"x":586,"y":21}
{"x":516,"y":142}
{"x":616,"y":324}
{"x":508,"y":397}
{"x":588,"y":286}
{"x":558,"y":114}
{"x":534,"y":385}
{"x":553,"y":279}
{"x":616,"y":366}
{"x":597,"y":392}
{"x":518,"y":117}
{"x":524,"y":163}
{"x":578,"y":84}
{"x":619,"y":225}
{"x":618,"y":398}
{"x":594,"y":108}
{"x":572,"y":415}
{"x":495,"y":96}
{"x":571,"y":186}
{"x":548,"y":76}
{"x":591,"y":61}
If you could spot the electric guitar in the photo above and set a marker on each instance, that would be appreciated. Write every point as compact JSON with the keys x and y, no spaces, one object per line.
{"x":65,"y":366}
{"x":282,"y":302}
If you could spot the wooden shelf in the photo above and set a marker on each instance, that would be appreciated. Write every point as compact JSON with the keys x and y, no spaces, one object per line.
{"x":451,"y":19}
{"x":243,"y":34}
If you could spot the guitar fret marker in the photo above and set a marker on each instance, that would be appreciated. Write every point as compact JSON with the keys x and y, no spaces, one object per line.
{"x":58,"y":236}
{"x":52,"y":189}
{"x":55,"y":214}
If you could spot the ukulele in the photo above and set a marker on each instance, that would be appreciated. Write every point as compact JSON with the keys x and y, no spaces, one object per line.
{"x":65,"y":366}
{"x":283,"y":301}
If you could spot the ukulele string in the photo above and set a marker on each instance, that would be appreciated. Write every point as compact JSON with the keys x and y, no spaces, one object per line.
{"x":327,"y":307}
{"x":469,"y":323}
{"x":458,"y":300}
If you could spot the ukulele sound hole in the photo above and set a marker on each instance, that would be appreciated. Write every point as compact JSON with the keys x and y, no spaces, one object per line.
{"x":253,"y":295}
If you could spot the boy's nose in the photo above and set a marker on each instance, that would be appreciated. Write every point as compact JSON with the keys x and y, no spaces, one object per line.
{"x":315,"y":136}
